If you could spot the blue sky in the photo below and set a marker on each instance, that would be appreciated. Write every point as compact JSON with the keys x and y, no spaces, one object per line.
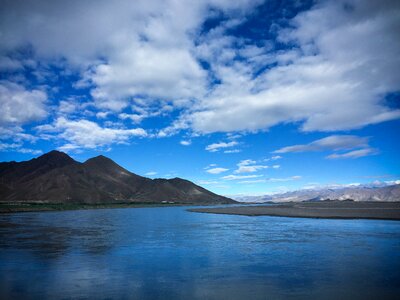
{"x":241,"y":97}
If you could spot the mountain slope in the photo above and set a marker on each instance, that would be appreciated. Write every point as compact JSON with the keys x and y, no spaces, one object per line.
{"x":57,"y":178}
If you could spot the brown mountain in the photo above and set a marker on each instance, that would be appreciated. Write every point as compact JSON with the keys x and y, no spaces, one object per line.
{"x":57,"y":178}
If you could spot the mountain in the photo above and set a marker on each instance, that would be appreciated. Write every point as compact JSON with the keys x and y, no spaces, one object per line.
{"x":57,"y":178}
{"x":356,"y":193}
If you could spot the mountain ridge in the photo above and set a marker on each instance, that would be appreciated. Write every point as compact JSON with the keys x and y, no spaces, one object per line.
{"x":388,"y":193}
{"x":55,"y":177}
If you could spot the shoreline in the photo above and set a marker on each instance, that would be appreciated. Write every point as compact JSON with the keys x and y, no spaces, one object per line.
{"x":316,"y":210}
{"x":9,"y":208}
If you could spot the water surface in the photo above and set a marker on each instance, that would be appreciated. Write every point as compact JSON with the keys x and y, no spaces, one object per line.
{"x":169,"y":253}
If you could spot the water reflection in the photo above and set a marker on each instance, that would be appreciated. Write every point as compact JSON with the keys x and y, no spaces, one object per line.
{"x":54,"y":234}
{"x":168,"y":253}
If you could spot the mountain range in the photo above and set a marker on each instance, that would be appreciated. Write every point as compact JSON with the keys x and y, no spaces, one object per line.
{"x":356,"y":193}
{"x":57,"y":178}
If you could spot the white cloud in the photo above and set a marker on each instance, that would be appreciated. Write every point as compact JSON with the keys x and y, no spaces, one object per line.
{"x":246,"y":162}
{"x":284,"y":179}
{"x":237,"y":177}
{"x":233,"y":151}
{"x":87,"y":134}
{"x":249,"y":169}
{"x":333,"y":142}
{"x":102,"y":114}
{"x":334,"y":77}
{"x":185,"y":143}
{"x":276,"y":157}
{"x":354,"y":154}
{"x":7,"y":146}
{"x":67,"y":107}
{"x":270,"y":180}
{"x":166,"y":73}
{"x":276,"y":166}
{"x":16,"y":133}
{"x":210,"y":166}
{"x":249,"y":166}
{"x":207,"y":182}
{"x":217,"y":146}
{"x":29,"y":151}
{"x":233,"y":136}
{"x":142,"y":111}
{"x":216,"y":170}
{"x":252,"y":181}
{"x":133,"y":39}
{"x":19,"y":105}
{"x":358,"y":145}
{"x":18,"y":147}
{"x":151,"y":173}
{"x":136,"y":118}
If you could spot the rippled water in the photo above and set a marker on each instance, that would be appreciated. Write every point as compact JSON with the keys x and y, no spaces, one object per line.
{"x":169,"y":253}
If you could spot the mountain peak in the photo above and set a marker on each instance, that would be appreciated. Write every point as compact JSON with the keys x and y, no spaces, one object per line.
{"x":55,"y":158}
{"x":104,"y":163}
{"x":34,"y":168}
{"x":100,"y":159}
{"x":54,"y":153}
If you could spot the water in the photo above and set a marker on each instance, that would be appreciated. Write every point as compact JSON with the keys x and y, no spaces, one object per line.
{"x":169,"y":253}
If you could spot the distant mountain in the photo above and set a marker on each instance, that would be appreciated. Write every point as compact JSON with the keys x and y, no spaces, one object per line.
{"x":356,"y":193}
{"x":57,"y":178}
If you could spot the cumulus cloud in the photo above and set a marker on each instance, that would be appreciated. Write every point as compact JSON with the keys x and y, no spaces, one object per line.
{"x":102,"y":114}
{"x":16,"y":133}
{"x":67,"y":107}
{"x":136,"y":118}
{"x":19,"y":105}
{"x":217,"y":146}
{"x":216,"y":170}
{"x":87,"y":134}
{"x":333,"y":142}
{"x":123,"y":48}
{"x":163,"y":74}
{"x":333,"y":77}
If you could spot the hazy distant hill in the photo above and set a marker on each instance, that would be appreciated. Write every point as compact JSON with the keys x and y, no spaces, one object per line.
{"x":357,"y":193}
{"x":56,"y":177}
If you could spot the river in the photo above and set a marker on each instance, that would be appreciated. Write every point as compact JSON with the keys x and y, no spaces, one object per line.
{"x":169,"y":253}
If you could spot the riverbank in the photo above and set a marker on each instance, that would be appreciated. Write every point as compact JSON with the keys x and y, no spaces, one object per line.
{"x":34,"y":206}
{"x":322,"y":209}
